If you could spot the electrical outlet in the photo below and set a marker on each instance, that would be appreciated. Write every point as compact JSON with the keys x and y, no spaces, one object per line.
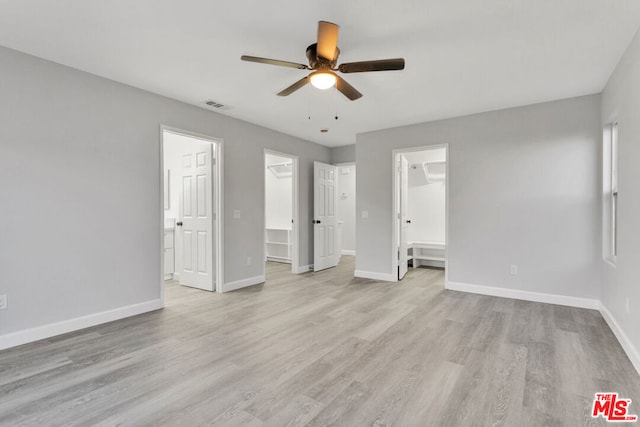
{"x":514,"y":269}
{"x":3,"y":302}
{"x":626,"y":305}
{"x":249,"y":260}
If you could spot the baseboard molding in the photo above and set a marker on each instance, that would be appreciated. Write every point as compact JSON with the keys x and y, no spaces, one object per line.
{"x":625,"y":342}
{"x":384,"y":277}
{"x":303,"y":269}
{"x":280,"y":260}
{"x":348,"y":252}
{"x":525,"y":295}
{"x":243,"y":283}
{"x":15,"y":339}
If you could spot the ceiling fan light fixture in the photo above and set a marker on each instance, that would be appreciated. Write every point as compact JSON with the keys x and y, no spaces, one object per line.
{"x":323,"y":79}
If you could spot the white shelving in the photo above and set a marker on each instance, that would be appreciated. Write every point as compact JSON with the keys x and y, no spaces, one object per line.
{"x":278,"y":245}
{"x":169,"y":256}
{"x":432,"y":252}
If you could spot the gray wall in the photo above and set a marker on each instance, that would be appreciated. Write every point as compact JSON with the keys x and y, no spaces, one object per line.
{"x":523,"y":190}
{"x":80,"y":190}
{"x":344,"y":154}
{"x":621,"y":102}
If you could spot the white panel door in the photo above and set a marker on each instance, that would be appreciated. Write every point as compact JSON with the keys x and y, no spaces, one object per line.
{"x":326,"y":253}
{"x":403,"y":263}
{"x":196,"y":216}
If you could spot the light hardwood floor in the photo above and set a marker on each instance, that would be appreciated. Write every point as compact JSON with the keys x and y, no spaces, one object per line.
{"x":324,"y":349}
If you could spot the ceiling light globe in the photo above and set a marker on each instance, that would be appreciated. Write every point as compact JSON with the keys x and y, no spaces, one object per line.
{"x":323,"y":79}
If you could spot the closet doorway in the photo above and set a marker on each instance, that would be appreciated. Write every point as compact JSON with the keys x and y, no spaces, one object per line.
{"x":191,"y":202}
{"x":420,"y":208}
{"x":281,"y":209}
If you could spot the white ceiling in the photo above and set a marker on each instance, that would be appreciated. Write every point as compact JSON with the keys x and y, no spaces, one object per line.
{"x":462,"y":56}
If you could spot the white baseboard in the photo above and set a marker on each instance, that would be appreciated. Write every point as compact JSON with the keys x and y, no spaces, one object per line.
{"x":384,"y":277}
{"x":303,"y":269}
{"x":243,"y":283}
{"x":51,"y":330}
{"x":625,"y":342}
{"x":525,"y":295}
{"x":348,"y":252}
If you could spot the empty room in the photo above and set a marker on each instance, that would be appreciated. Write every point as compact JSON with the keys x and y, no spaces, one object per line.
{"x":409,"y":213}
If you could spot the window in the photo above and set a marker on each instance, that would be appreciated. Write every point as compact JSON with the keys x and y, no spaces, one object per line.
{"x":610,"y":193}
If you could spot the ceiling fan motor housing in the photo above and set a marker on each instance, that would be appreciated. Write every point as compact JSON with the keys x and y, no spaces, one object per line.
{"x":319,"y":63}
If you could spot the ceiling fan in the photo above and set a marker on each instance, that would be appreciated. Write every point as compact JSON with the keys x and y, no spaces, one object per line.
{"x":323,"y":57}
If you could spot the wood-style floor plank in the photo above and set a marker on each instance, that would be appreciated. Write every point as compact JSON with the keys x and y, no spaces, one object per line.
{"x":323,"y":348}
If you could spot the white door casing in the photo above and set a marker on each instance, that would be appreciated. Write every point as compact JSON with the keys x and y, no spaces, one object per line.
{"x":326,"y":254}
{"x":402,"y":216}
{"x":196,"y":217}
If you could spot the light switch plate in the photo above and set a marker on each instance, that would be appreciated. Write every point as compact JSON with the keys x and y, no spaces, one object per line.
{"x":3,"y":302}
{"x":364,"y":214}
{"x":236,"y":214}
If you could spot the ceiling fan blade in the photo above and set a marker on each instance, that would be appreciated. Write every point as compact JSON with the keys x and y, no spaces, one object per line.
{"x":327,"y":40}
{"x":294,"y":87}
{"x":379,"y":65}
{"x":274,"y":62}
{"x":346,"y":89}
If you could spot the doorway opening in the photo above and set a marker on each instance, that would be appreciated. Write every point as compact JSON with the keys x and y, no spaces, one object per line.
{"x":192,"y":206}
{"x":281,"y":212}
{"x":346,"y":186}
{"x":421,"y":208}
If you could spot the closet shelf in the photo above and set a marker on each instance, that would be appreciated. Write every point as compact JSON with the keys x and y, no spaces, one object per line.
{"x":278,"y":244}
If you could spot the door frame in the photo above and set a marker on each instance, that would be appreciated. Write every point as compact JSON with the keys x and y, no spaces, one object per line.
{"x":394,"y":185}
{"x":295,"y":230}
{"x":217,"y":219}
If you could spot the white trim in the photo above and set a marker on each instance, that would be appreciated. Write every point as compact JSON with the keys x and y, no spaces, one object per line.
{"x":53,"y":329}
{"x":243,"y":283}
{"x":303,"y":269}
{"x":592,"y":304}
{"x":374,"y":275}
{"x":218,"y":209}
{"x":625,"y":342}
{"x":348,"y":252}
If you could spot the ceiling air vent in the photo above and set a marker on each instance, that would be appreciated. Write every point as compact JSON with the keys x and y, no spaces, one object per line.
{"x":214,"y":104}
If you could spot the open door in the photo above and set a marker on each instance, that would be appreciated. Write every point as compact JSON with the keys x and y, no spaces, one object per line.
{"x":402,"y":216}
{"x":196,"y":216}
{"x":326,"y":254}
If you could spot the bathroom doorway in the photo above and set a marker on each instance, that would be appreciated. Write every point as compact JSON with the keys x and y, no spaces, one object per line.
{"x":191,"y":199}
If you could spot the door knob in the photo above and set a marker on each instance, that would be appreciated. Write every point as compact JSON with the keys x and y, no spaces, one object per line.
{"x":179,"y":224}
